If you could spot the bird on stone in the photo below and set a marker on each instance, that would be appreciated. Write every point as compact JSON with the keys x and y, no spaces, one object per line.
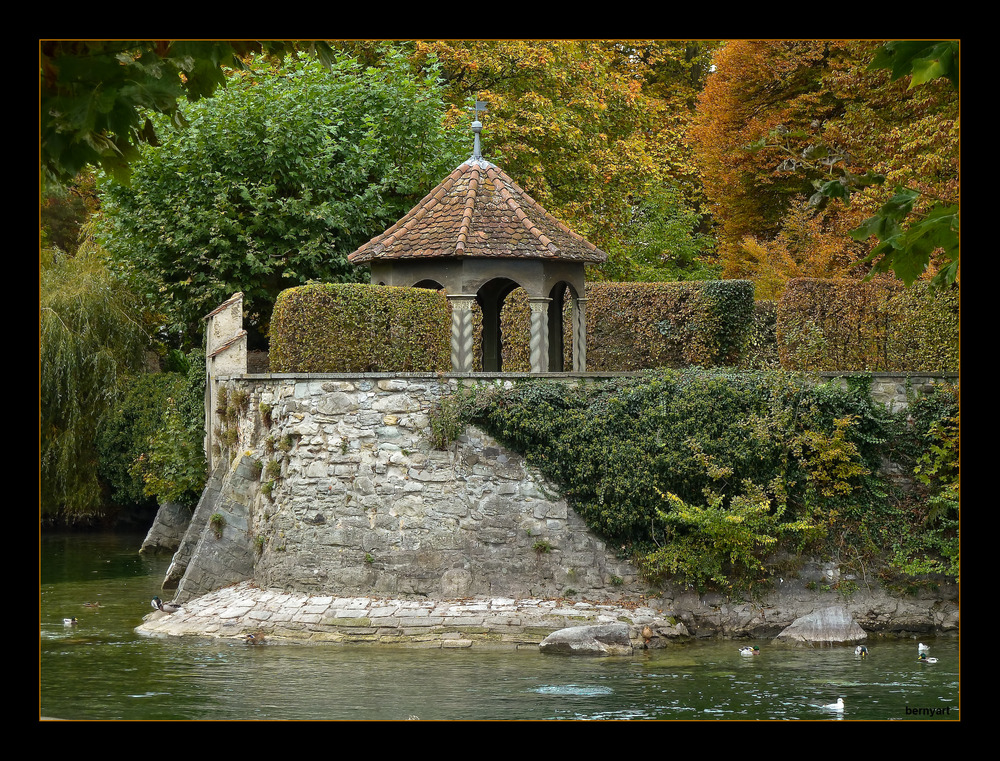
{"x":166,"y":607}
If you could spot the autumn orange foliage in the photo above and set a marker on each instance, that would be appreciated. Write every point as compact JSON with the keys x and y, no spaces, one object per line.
{"x":785,"y":96}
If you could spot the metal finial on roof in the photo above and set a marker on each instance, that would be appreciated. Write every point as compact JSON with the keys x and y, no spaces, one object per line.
{"x":477,"y":127}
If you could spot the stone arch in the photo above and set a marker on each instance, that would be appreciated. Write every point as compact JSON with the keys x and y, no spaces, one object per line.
{"x":490,"y":297}
{"x":429,"y":283}
{"x":561,"y":295}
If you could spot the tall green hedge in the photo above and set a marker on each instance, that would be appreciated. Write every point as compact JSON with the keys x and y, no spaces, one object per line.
{"x":878,"y":325}
{"x":761,"y":351}
{"x":325,"y":328}
{"x":636,"y":326}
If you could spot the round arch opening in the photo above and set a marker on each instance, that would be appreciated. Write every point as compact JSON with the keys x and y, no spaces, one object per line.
{"x":490,"y":297}
{"x":560,"y":330}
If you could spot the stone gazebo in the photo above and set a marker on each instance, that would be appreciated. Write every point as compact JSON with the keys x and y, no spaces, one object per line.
{"x":478,"y":236}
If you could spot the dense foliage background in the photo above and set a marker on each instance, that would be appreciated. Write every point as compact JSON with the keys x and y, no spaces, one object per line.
{"x":778,"y":119}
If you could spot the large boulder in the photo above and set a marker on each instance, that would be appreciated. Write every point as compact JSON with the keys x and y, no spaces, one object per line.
{"x":831,"y":625}
{"x":600,"y":639}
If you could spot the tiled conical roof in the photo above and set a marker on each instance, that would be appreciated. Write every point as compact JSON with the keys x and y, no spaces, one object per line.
{"x":478,"y":211}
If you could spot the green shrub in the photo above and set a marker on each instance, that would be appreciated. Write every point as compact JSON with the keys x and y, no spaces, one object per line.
{"x":360,"y":328}
{"x":446,"y":423}
{"x":126,"y":436}
{"x":153,"y":446}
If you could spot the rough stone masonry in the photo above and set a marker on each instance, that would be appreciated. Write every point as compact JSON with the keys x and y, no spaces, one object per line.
{"x":352,"y":498}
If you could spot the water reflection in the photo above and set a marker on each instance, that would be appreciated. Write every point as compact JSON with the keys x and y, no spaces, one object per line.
{"x":100,"y":669}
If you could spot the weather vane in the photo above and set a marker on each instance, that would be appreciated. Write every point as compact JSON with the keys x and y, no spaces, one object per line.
{"x":477,"y":127}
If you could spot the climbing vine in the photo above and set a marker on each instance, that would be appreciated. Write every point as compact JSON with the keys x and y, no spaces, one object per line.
{"x":701,"y":475}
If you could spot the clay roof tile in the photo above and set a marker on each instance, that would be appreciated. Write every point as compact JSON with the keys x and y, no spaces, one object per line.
{"x":478,"y":211}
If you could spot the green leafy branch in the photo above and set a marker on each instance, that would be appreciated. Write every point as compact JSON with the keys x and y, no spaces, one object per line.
{"x":922,"y":60}
{"x":96,"y":96}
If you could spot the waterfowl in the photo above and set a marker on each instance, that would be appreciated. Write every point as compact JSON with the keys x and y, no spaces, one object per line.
{"x":69,"y":622}
{"x":166,"y":607}
{"x":838,"y":706}
{"x":861,"y":650}
{"x":924,"y":659}
{"x":91,"y":605}
{"x":749,"y":650}
{"x":922,"y":648}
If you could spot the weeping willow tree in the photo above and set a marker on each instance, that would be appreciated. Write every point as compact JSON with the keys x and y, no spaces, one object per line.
{"x":90,"y":338}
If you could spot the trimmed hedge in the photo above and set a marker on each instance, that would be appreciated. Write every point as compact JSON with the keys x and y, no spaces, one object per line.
{"x":872,"y":326}
{"x":327,"y":328}
{"x":637,"y":326}
{"x":761,"y":351}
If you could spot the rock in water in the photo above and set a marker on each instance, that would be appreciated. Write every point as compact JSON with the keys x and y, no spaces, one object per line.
{"x":831,"y":625}
{"x":601,"y":639}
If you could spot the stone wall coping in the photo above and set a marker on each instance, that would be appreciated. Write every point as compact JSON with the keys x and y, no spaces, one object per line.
{"x":552,"y":376}
{"x":881,"y":374}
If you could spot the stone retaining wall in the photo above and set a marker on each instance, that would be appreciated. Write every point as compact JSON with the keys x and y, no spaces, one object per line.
{"x":345,"y":494}
{"x":331,"y":485}
{"x":332,"y":489}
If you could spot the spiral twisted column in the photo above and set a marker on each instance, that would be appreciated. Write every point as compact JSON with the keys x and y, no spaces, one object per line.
{"x":538,"y":342}
{"x":461,"y":332}
{"x":580,"y":335}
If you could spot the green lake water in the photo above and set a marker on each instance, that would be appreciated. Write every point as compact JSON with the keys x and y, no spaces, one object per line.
{"x":100,"y":669}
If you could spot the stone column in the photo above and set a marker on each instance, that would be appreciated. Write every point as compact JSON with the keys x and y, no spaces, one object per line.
{"x":580,"y":335}
{"x":538,"y":344}
{"x":461,"y":332}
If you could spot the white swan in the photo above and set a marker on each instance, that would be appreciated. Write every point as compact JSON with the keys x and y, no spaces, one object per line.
{"x":922,"y":648}
{"x":838,"y":706}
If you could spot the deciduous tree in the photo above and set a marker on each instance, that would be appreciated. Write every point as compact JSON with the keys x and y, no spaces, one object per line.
{"x":786,"y":124}
{"x":90,"y":337}
{"x":592,"y":129}
{"x":274,"y":182}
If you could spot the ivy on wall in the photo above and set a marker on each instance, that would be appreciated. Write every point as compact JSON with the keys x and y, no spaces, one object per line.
{"x":699,"y":475}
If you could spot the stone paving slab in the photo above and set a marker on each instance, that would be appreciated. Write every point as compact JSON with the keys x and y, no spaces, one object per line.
{"x":271,"y":616}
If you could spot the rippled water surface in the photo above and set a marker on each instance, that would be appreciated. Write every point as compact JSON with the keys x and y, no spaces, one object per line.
{"x":100,"y":669}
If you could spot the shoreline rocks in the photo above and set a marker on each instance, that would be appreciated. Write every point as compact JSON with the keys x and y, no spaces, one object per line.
{"x":270,"y":615}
